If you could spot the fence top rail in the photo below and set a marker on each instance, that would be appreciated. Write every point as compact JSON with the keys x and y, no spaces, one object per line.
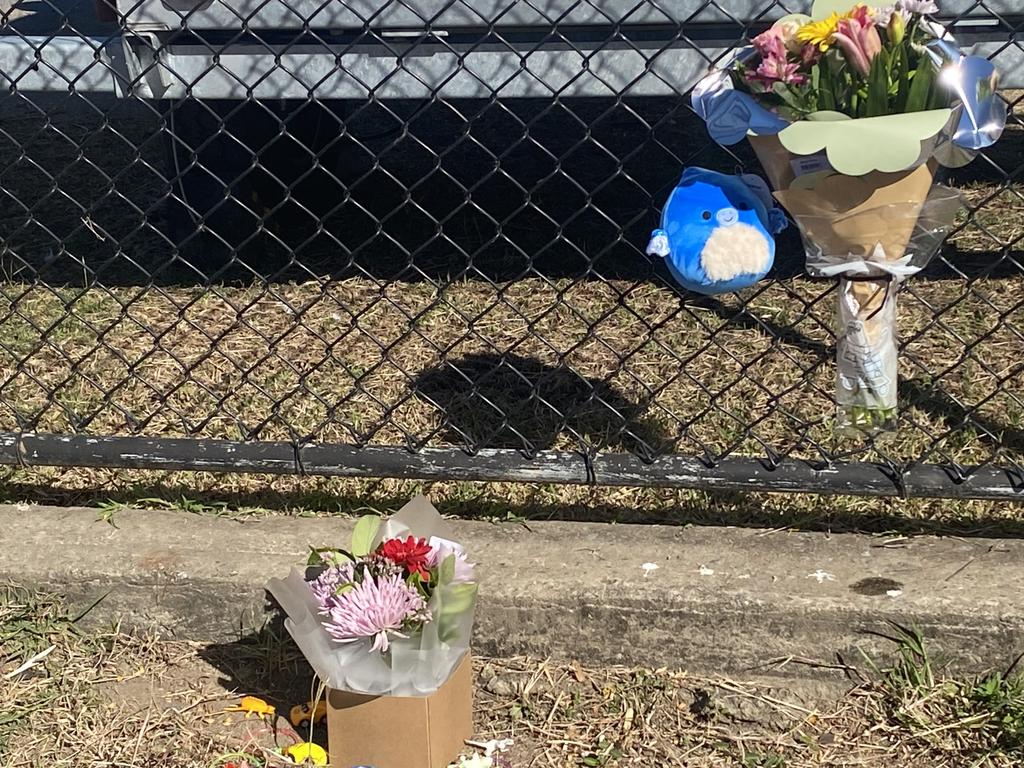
{"x":461,"y":14}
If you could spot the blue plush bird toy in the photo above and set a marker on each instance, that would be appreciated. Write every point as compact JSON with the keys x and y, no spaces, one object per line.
{"x":717,"y":231}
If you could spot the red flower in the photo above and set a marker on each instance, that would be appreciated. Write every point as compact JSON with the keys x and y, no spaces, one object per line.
{"x":411,"y":554}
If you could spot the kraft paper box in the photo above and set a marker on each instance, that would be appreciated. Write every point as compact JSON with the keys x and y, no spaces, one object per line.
{"x":399,"y":731}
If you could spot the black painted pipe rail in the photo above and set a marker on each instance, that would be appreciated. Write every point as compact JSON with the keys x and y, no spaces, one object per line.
{"x":729,"y":474}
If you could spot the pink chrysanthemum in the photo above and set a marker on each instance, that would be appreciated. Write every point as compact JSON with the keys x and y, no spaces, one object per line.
{"x":376,"y":607}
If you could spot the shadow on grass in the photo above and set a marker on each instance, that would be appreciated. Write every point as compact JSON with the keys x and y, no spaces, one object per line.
{"x":484,"y":502}
{"x":1009,"y":441}
{"x":509,"y":401}
{"x":265,"y":663}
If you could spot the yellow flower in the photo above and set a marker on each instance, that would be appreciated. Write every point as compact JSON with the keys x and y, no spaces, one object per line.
{"x":820,"y":32}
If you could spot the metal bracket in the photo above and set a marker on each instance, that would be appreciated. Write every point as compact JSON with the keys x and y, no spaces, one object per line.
{"x":147,"y":76}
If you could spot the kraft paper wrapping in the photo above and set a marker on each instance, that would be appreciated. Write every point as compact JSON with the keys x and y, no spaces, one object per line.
{"x":855,"y":215}
{"x":417,"y":665}
{"x":857,"y":228}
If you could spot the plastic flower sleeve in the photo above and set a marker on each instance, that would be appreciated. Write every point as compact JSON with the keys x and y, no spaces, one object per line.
{"x":417,"y":665}
{"x":864,"y":249}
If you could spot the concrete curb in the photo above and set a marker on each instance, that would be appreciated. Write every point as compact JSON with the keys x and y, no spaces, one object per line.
{"x":720,"y":601}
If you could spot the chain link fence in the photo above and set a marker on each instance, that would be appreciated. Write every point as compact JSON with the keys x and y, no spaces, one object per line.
{"x":405,"y":238}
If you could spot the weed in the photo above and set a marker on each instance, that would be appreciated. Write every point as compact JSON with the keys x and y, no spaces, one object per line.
{"x":979,"y":718}
{"x":604,"y":753}
{"x":107,"y":510}
{"x":185,"y":504}
{"x":763,"y":760}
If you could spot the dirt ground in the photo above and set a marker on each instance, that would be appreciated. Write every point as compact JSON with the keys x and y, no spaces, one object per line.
{"x":101,"y":699}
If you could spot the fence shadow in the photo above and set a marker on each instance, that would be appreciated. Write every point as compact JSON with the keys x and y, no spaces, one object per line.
{"x":191,"y":193}
{"x":509,"y":401}
{"x":931,"y":399}
{"x":528,"y":503}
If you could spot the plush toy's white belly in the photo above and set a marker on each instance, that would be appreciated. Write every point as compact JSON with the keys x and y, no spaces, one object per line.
{"x":738,"y":249}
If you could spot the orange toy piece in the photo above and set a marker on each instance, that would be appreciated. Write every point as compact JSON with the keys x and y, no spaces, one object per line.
{"x":253,"y":705}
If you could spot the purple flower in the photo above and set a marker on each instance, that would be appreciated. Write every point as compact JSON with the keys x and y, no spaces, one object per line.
{"x":378,"y":607}
{"x":325,"y":586}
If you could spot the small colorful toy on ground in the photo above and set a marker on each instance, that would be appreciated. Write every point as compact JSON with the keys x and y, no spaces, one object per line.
{"x":717,"y":230}
{"x":306,"y":753}
{"x":253,"y":705}
{"x":302,"y":715}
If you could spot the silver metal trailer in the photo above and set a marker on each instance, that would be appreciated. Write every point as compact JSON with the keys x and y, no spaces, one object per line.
{"x":358,"y":49}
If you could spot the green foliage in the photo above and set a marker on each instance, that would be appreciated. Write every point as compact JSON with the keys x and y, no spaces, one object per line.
{"x":327,"y":556}
{"x":877,"y":102}
{"x":922,"y":81}
{"x":763,"y":760}
{"x":978,"y":717}
{"x":446,"y":571}
{"x":363,"y":535}
{"x":451,"y":603}
{"x":605,"y":753}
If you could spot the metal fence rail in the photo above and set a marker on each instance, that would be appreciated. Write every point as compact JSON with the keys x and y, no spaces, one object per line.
{"x":404,"y":238}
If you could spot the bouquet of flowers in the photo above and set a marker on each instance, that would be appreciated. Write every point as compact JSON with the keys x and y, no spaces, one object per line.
{"x":390,"y":615}
{"x":851,"y":111}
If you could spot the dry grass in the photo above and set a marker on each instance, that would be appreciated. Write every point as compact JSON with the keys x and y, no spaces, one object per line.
{"x":614,"y":364}
{"x":243,"y":495}
{"x":108,"y":699}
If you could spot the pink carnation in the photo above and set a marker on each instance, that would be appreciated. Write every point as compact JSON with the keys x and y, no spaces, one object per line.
{"x":441,"y":549}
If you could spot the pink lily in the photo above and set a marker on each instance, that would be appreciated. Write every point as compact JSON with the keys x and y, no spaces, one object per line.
{"x":859,"y":39}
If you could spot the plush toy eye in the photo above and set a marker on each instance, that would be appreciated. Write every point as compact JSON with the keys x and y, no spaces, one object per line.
{"x":706,"y":215}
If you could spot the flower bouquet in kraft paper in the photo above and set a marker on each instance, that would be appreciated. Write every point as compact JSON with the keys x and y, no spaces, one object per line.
{"x":386,"y":624}
{"x":851,"y":112}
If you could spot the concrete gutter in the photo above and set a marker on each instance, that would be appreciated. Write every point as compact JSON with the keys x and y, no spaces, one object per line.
{"x":720,"y":601}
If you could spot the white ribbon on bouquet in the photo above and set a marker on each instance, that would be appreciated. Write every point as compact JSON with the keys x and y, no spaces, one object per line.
{"x":875,"y":264}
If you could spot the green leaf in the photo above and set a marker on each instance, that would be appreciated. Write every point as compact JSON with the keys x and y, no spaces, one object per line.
{"x":452,"y":602}
{"x":363,"y":535}
{"x":878,"y":86}
{"x":922,"y":80}
{"x":790,"y":97}
{"x":316,"y":555}
{"x":826,"y":87}
{"x":446,"y":571}
{"x":940,"y":97}
{"x":901,"y":78}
